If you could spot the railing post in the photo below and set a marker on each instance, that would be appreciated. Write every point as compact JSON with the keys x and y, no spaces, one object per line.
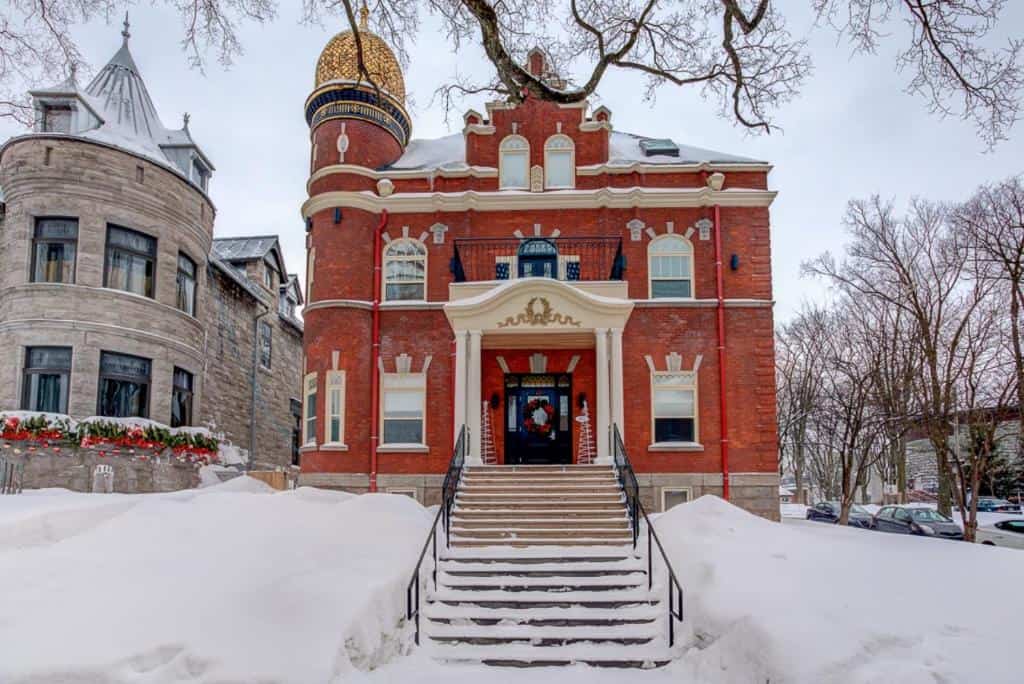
{"x":671,"y":618}
{"x":650,"y":561}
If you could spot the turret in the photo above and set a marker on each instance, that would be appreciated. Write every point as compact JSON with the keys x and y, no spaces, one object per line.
{"x":351,"y":120}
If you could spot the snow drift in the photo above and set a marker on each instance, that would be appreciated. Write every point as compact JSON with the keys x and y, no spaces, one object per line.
{"x":228,"y":583}
{"x":835,"y":604}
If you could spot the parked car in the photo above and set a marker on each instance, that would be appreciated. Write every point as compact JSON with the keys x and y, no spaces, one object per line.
{"x":920,"y":521}
{"x":991,"y":504}
{"x":828,"y":511}
{"x":1009,"y":533}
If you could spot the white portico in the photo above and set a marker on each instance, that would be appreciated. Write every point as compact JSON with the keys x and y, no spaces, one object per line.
{"x":538,"y":314}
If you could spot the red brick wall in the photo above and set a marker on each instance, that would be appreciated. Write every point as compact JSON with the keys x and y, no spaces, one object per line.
{"x":344,"y":270}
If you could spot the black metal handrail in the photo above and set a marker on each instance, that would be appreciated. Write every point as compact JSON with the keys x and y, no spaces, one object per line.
{"x":444,"y":518}
{"x":637,"y":512}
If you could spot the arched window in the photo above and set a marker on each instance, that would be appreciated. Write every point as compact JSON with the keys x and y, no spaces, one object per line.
{"x":670,"y":265}
{"x":559,"y":162}
{"x":514,"y":163}
{"x":405,"y":270}
{"x":538,"y":258}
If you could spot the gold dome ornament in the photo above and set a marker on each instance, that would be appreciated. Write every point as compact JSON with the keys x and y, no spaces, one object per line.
{"x":339,"y":60}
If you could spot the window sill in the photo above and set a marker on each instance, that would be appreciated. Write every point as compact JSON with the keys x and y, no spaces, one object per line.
{"x":676,"y":446}
{"x":306,"y":448}
{"x":403,"y":449}
{"x":334,"y":446}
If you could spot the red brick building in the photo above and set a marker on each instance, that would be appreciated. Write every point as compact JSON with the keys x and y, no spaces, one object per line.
{"x":503,"y":278}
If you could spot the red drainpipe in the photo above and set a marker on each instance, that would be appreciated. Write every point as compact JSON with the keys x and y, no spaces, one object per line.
{"x":378,"y":256}
{"x":723,"y":404}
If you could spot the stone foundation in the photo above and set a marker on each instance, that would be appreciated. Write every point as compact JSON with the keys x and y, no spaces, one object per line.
{"x":71,"y":467}
{"x":757,"y":493}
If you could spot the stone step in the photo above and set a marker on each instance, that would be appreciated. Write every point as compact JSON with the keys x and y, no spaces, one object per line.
{"x":508,"y":585}
{"x":525,"y":543}
{"x":541,"y":642}
{"x":536,"y":490}
{"x":565,"y":468}
{"x":549,"y":634}
{"x":512,"y":522}
{"x":564,"y":499}
{"x":580,"y":507}
{"x":523,"y":655}
{"x":615,"y":512}
{"x":526,"y":604}
{"x":539,"y":533}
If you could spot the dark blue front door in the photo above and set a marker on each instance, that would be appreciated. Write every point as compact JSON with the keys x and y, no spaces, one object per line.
{"x":538,"y":419}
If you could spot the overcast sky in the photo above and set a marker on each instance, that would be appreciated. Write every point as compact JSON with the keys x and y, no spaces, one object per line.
{"x":852,"y":133}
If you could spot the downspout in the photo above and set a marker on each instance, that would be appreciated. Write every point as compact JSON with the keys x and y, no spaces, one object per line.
{"x":723,"y":404}
{"x":254,"y":383}
{"x":378,"y":257}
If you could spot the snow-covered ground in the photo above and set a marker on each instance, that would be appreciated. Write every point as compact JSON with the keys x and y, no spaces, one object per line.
{"x":235,"y":583}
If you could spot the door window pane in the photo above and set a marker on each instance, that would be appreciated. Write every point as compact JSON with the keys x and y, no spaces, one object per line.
{"x":46,"y":380}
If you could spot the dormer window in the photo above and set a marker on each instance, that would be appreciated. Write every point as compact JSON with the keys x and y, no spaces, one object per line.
{"x":286,"y":306}
{"x":56,"y":119}
{"x":200,"y":174}
{"x":514,"y":163}
{"x":559,"y":162}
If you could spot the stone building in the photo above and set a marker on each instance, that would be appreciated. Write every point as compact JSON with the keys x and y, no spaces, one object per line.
{"x":115,"y":300}
{"x":537,"y":265}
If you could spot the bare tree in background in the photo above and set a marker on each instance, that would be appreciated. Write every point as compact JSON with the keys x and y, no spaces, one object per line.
{"x":740,"y":53}
{"x":993,"y":223}
{"x":916,"y":264}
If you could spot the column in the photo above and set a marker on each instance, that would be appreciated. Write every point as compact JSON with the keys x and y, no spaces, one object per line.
{"x":618,"y":389}
{"x":473,"y":391}
{"x":603,"y":412}
{"x":459,"y":385}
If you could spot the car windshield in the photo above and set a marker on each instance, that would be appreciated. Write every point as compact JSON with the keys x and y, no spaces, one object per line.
{"x":927,"y":515}
{"x":859,"y":509}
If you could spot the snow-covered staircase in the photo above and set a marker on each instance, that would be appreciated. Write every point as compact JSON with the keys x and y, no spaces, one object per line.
{"x":541,"y":570}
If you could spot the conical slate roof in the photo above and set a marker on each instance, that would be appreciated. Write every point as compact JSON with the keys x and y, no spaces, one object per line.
{"x":127,"y":117}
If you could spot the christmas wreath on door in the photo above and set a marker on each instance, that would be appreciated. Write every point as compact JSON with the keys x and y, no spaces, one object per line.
{"x":537,"y":416}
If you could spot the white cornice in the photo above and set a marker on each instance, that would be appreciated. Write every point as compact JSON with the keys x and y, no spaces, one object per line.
{"x":467,"y":171}
{"x":682,"y":167}
{"x":512,"y":200}
{"x":638,"y":303}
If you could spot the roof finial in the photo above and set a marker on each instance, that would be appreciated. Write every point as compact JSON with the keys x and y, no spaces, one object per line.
{"x":185,"y":119}
{"x":364,"y":17}
{"x":126,"y":33}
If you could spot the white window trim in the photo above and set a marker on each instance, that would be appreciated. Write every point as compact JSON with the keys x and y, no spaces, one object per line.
{"x":524,"y":152}
{"x":666,"y":490}
{"x":407,"y":382}
{"x":309,"y":388}
{"x":695,"y":445}
{"x":650,"y":270}
{"x":571,"y":147}
{"x":384,"y":270}
{"x":335,"y":382}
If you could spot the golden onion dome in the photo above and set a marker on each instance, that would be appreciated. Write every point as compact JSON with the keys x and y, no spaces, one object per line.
{"x":338,"y":61}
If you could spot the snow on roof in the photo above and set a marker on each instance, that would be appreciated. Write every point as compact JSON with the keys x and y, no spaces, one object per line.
{"x":127,"y":117}
{"x":624,"y":149}
{"x":244,"y":248}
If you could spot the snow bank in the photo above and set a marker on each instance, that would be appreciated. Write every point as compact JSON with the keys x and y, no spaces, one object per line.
{"x":231,"y":583}
{"x":770,"y":602}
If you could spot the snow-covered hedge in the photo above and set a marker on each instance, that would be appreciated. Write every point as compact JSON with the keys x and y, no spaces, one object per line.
{"x":98,"y":432}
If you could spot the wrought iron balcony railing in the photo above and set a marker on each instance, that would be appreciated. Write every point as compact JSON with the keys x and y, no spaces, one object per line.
{"x":563,"y":258}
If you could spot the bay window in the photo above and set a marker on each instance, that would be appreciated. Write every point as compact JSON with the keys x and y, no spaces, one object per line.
{"x":181,"y":398}
{"x":47,"y":378}
{"x":131,"y":261}
{"x":309,"y":412}
{"x":54,"y":247}
{"x":123,"y":386}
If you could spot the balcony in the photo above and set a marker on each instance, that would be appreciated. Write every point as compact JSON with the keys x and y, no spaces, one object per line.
{"x":597,"y":258}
